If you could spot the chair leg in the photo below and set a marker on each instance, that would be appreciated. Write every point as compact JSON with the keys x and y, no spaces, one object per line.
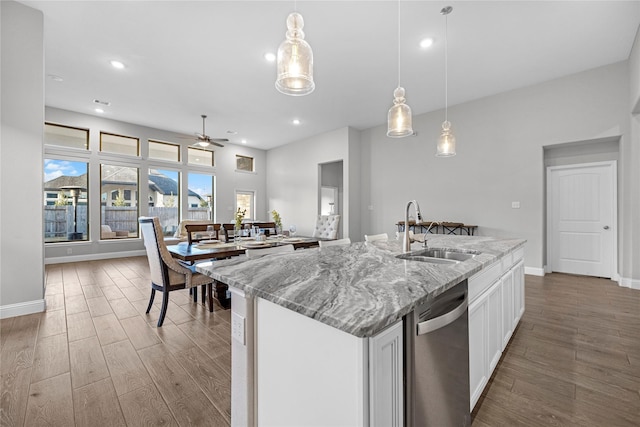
{"x":210,"y":287}
{"x":163,"y":310}
{"x":204,"y":294}
{"x":194,"y":291}
{"x":153,"y":295}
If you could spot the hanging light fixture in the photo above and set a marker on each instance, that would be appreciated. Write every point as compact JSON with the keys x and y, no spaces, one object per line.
{"x":399,"y":116}
{"x":295,"y":60}
{"x":447,"y":141}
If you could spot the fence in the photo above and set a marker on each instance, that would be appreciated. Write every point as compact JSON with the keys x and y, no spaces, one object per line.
{"x":58,"y":220}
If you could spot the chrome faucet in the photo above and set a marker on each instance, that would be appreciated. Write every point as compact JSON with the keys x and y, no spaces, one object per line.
{"x":406,"y":240}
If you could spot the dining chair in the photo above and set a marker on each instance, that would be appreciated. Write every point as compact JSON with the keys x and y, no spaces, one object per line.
{"x":374,"y":237}
{"x":327,"y":226}
{"x":167,"y":274}
{"x":269,"y":227}
{"x":257,"y":253}
{"x":325,"y":243}
{"x":200,"y":231}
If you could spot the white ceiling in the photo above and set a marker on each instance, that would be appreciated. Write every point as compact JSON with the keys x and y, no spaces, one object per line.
{"x":187,"y":58}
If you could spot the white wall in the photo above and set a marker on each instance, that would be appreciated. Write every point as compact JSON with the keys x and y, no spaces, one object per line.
{"x":21,"y":247}
{"x":227,"y":179}
{"x":292,"y":178}
{"x":631,"y":267}
{"x":499,"y":156}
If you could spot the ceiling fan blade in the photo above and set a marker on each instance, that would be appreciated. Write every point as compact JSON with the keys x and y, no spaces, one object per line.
{"x":217,"y":144}
{"x":218,"y":139}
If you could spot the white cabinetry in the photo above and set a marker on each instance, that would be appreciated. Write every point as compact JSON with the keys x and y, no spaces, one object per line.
{"x":385,"y":378}
{"x":309,"y":373}
{"x":496,"y":306}
{"x":478,"y":350}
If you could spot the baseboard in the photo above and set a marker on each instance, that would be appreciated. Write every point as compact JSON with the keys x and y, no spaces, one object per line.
{"x":534,"y":271}
{"x":22,"y":308}
{"x":627,"y":282}
{"x":94,"y":257}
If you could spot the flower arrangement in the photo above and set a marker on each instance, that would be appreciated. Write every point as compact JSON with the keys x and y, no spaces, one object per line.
{"x":277,"y":219}
{"x":240,"y":213}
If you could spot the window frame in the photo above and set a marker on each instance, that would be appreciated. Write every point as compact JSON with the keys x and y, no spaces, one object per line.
{"x":252,"y":209}
{"x":253,"y":163}
{"x":172,"y":144}
{"x":112,"y":153}
{"x":213,"y":157}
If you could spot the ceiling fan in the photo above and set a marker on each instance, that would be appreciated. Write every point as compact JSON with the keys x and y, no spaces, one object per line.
{"x":204,"y":140}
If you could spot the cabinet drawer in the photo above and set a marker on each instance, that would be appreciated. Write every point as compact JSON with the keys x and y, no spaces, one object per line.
{"x":481,"y":281}
{"x":507,"y":262}
{"x":518,"y":254}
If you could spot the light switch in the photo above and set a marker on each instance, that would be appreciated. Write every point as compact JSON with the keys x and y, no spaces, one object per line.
{"x":237,"y":327}
{"x":515,"y":205}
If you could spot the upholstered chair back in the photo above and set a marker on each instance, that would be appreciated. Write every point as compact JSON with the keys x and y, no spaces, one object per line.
{"x":374,"y":237}
{"x":325,"y":243}
{"x":327,"y":226}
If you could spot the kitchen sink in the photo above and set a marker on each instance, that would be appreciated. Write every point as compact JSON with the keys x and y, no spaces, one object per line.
{"x":439,"y":256}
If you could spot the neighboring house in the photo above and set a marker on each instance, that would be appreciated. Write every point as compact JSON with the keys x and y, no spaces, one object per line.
{"x":163,"y":191}
{"x":52,"y":188}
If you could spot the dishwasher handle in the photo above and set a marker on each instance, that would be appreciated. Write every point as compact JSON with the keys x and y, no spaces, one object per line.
{"x":444,"y":320}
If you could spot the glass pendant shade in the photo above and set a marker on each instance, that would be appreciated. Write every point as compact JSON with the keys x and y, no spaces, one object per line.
{"x":399,"y":117}
{"x":446,"y":142}
{"x":295,"y":60}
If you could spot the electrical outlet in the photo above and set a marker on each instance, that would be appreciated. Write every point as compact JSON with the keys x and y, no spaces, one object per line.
{"x":515,"y":205}
{"x":69,"y":251}
{"x":237,"y":327}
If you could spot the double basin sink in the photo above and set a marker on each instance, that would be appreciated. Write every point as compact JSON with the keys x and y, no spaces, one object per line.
{"x":439,"y":255}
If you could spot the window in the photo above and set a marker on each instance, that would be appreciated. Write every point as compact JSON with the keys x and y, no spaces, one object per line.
{"x":201,"y":196}
{"x":118,"y":202}
{"x":66,"y":136}
{"x":164,"y":198}
{"x":110,"y":143}
{"x":164,"y":151}
{"x":244,"y":202}
{"x":65,"y":201}
{"x":244,"y":163}
{"x":200,"y":156}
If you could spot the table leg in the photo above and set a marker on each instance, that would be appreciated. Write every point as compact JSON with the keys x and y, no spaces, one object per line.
{"x":221,"y":294}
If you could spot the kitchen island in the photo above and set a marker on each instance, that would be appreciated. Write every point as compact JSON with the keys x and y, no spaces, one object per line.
{"x":317,"y":334}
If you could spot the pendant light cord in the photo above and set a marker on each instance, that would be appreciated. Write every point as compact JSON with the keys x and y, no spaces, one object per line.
{"x":398,"y":43}
{"x":446,"y":67}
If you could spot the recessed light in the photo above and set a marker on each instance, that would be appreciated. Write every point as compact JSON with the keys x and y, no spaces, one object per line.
{"x":295,"y":121}
{"x":426,"y":43}
{"x":270,"y":56}
{"x":244,"y":141}
{"x":55,"y":78}
{"x":117,"y":64}
{"x":99,"y":110}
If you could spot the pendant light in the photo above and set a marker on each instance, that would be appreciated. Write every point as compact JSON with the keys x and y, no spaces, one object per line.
{"x":447,"y":141}
{"x":399,"y":116}
{"x":295,"y":60}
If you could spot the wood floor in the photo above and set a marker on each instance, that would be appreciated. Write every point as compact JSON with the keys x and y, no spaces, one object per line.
{"x":95,"y":359}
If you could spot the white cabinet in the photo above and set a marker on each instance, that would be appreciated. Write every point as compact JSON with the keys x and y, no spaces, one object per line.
{"x":494,"y":327}
{"x":478,"y":348}
{"x":496,"y":306}
{"x":506,"y":283}
{"x":385,"y":378}
{"x":518,"y":292}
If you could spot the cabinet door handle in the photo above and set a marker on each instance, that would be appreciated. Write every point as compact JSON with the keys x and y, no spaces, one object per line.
{"x":606,"y":227}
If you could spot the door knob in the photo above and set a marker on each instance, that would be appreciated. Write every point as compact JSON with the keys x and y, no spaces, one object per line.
{"x":606,"y":227}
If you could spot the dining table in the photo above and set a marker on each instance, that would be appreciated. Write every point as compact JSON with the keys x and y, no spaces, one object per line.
{"x":218,"y":249}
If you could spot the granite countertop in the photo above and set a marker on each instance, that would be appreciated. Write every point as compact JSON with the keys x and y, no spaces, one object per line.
{"x":359,"y":288}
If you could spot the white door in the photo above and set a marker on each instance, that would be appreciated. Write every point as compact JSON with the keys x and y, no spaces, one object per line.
{"x":581,"y":206}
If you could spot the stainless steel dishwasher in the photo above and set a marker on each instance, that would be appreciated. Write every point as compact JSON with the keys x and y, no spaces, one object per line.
{"x":437,"y":361}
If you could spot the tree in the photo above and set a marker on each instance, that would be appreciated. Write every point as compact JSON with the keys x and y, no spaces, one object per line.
{"x":119,"y":201}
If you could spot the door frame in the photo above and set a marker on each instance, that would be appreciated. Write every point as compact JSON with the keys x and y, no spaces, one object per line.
{"x":613,"y":164}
